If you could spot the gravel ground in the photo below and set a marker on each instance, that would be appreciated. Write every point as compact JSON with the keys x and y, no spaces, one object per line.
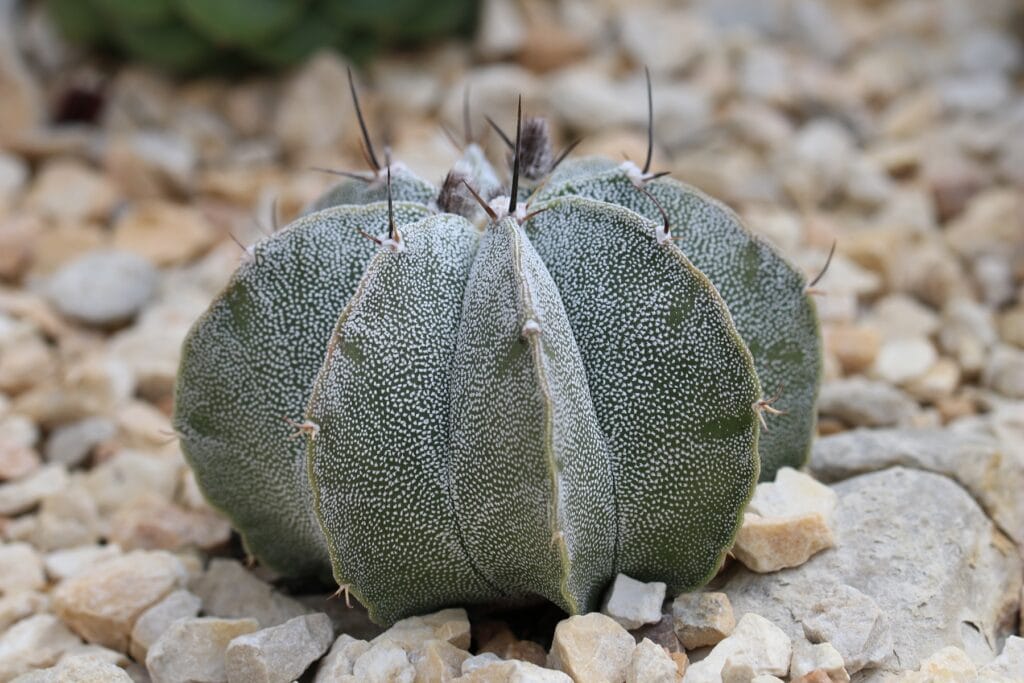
{"x":895,"y":128}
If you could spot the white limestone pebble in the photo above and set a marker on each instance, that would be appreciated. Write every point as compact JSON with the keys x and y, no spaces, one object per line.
{"x":702,"y":619}
{"x":450,"y":625}
{"x":102,"y":603}
{"x":21,"y":568}
{"x":340,"y":659}
{"x":228,"y":590}
{"x":438,"y":660}
{"x":33,"y":643}
{"x":767,"y":544}
{"x":192,"y":650}
{"x":152,"y":623}
{"x":281,"y":653}
{"x":793,"y":493}
{"x":512,"y":671}
{"x":755,"y":643}
{"x":103,"y":287}
{"x":650,"y":664}
{"x":592,"y":647}
{"x":384,"y":662}
{"x":23,"y":494}
{"x":634,"y":603}
{"x":820,"y":659}
{"x":78,"y":669}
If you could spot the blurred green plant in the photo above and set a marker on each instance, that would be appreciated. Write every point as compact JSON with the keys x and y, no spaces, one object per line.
{"x":192,"y":36}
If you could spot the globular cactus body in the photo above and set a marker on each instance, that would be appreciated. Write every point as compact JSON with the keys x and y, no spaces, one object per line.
{"x":513,"y":401}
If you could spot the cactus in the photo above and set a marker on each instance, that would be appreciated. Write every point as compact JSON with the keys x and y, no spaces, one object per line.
{"x":462,"y":398}
{"x":187,"y":36}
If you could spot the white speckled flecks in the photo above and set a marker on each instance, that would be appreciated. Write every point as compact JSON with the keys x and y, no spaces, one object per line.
{"x":765,"y":294}
{"x":249,"y":363}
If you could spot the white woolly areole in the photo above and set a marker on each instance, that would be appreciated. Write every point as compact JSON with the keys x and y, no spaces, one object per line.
{"x":531,"y":327}
{"x":396,"y":245}
{"x":633,"y":172}
{"x":499,"y":205}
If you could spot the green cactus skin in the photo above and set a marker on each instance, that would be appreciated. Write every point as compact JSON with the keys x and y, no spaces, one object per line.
{"x":765,"y":294}
{"x":522,"y":405}
{"x":260,"y":345}
{"x":405,"y":187}
{"x":191,"y":36}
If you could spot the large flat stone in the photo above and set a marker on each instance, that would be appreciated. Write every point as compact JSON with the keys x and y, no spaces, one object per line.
{"x":918,"y":546}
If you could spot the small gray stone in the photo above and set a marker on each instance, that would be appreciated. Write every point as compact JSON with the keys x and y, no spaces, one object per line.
{"x":634,"y":603}
{"x":384,"y":662}
{"x":702,"y":619}
{"x":103,"y":287}
{"x":228,"y":590}
{"x":192,"y":650}
{"x":864,"y":403}
{"x":341,"y":658}
{"x":152,"y":623}
{"x":71,"y":444}
{"x":281,"y":653}
{"x":662,"y":633}
{"x":1004,"y":371}
{"x":650,"y":664}
{"x":853,"y":624}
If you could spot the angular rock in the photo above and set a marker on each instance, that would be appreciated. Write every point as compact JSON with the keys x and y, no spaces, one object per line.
{"x":861,"y":402}
{"x":192,"y":650}
{"x":634,"y":603}
{"x":163,"y":233}
{"x":591,"y":647}
{"x":341,"y":658}
{"x":1009,"y":663}
{"x":228,"y":590}
{"x":650,"y":664}
{"x":69,"y":191}
{"x":767,"y":544}
{"x":63,"y":564}
{"x":437,"y":660}
{"x":512,"y":672}
{"x":140,"y":473}
{"x":1004,"y":371}
{"x":984,"y":455}
{"x":853,"y":624}
{"x":102,"y":603}
{"x":384,"y":662}
{"x":479,"y":661}
{"x":17,"y":606}
{"x":21,"y":495}
{"x":792,"y":493}
{"x":756,"y":646}
{"x":948,"y":664}
{"x":702,"y":619}
{"x":822,"y":659}
{"x":279,"y":654}
{"x":78,"y":669}
{"x":150,"y":523}
{"x":448,"y":625}
{"x":33,"y":643}
{"x":903,"y":360}
{"x":21,"y":568}
{"x":662,"y":633}
{"x":67,"y":519}
{"x":103,"y":287}
{"x":71,"y":444}
{"x":152,"y":623}
{"x":967,"y":333}
{"x":922,"y":549}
